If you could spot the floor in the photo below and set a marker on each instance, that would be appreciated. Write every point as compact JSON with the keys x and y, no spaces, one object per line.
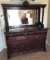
{"x":38,"y":55}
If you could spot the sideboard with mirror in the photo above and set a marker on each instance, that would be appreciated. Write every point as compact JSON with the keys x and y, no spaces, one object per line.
{"x":24,"y":26}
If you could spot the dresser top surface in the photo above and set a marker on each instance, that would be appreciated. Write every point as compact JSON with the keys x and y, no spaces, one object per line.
{"x":26,"y":30}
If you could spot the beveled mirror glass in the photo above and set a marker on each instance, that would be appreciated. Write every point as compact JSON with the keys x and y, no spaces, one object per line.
{"x":21,"y":17}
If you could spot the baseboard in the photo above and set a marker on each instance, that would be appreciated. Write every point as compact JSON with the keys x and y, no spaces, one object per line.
{"x":48,"y":43}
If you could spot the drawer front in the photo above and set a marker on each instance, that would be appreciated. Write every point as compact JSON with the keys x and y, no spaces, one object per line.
{"x":36,"y":36}
{"x":15,"y":38}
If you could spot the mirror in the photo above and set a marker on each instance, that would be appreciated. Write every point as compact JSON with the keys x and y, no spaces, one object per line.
{"x":21,"y":17}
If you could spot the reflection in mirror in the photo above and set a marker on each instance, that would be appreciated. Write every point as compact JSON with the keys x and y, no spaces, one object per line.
{"x":20,"y":17}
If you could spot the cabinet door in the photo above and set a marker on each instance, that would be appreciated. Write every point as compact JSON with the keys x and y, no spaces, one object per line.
{"x":14,"y":48}
{"x":38,"y":44}
{"x":22,"y":45}
{"x":25,"y":45}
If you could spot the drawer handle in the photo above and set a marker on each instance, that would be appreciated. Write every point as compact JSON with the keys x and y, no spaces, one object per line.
{"x":12,"y":34}
{"x":28,"y":45}
{"x":23,"y":46}
{"x":35,"y":44}
{"x":15,"y":47}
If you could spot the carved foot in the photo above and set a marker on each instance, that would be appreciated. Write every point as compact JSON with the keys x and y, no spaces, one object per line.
{"x":44,"y":49}
{"x":8,"y":56}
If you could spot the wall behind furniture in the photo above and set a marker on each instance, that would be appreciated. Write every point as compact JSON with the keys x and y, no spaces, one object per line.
{"x":19,"y":2}
{"x":48,"y":24}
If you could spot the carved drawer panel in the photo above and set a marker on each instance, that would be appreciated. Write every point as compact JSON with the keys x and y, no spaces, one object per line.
{"x":24,"y":45}
{"x":28,"y":46}
{"x":14,"y":48}
{"x":21,"y":46}
{"x":37,"y":44}
{"x":15,"y":38}
{"x":36,"y":36}
{"x":20,"y":37}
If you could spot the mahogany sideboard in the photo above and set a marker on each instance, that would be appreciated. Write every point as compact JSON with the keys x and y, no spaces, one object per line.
{"x":26,"y":41}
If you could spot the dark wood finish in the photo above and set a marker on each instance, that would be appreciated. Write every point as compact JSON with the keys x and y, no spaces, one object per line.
{"x":27,"y":40}
{"x":6,"y":19}
{"x":20,"y":42}
{"x":38,"y":16}
{"x":21,"y":6}
{"x":42,"y":14}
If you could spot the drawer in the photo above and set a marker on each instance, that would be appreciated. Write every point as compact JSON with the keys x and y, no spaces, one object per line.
{"x":36,"y":36}
{"x":16,"y":38}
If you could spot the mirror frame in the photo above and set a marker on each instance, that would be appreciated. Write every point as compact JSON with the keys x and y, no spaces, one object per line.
{"x":21,"y":6}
